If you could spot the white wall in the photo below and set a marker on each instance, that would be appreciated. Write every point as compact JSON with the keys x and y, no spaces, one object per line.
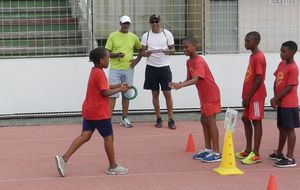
{"x":59,"y":84}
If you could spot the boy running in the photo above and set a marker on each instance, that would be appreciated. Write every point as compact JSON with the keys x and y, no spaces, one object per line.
{"x":96,"y":114}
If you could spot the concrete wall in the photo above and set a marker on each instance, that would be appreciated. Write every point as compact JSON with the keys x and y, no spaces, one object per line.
{"x":59,"y":84}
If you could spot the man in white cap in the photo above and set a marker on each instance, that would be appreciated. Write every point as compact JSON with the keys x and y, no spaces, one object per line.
{"x":121,"y":45}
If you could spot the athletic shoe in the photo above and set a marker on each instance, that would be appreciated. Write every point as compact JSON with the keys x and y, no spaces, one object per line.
{"x":126,"y":122}
{"x":171,"y":124}
{"x":241,"y":155}
{"x":159,"y":122}
{"x":251,"y":159}
{"x":285,"y":163}
{"x":201,"y":154}
{"x":212,"y":157}
{"x":275,"y":156}
{"x":119,"y":170}
{"x":60,"y":165}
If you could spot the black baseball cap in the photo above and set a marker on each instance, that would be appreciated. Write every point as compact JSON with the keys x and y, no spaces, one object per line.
{"x":154,"y":17}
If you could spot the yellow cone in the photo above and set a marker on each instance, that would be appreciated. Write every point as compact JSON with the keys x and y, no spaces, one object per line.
{"x":228,"y":165}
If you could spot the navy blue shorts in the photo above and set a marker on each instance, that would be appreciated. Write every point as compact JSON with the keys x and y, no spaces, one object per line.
{"x":104,"y":127}
{"x":155,"y":76}
{"x":288,"y":117}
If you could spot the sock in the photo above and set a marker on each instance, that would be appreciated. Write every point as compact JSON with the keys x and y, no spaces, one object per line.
{"x":217,"y":153}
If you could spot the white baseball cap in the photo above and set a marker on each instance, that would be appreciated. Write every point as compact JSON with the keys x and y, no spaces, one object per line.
{"x":125,"y":19}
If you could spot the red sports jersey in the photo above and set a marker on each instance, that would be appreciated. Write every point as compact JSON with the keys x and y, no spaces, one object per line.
{"x":208,"y":90}
{"x":96,"y":106}
{"x":287,"y":74}
{"x":257,"y":65}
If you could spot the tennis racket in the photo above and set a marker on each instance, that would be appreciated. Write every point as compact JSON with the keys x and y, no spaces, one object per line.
{"x":131,"y":93}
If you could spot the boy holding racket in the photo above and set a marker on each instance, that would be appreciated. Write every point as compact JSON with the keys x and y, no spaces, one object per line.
{"x":199,"y":74}
{"x":96,"y":114}
{"x":253,"y":96}
{"x":285,"y":100}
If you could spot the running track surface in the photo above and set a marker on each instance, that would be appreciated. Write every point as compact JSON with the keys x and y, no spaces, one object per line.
{"x":156,"y":159}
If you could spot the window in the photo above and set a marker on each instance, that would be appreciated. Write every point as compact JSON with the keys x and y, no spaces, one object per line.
{"x":44,"y":28}
{"x":71,"y":27}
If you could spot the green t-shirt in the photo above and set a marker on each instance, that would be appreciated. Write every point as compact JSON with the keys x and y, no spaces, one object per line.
{"x":119,"y":42}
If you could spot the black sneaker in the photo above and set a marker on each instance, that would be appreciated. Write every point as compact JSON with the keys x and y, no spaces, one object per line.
{"x":159,"y":122}
{"x":171,"y":124}
{"x":285,"y":163}
{"x":275,"y":156}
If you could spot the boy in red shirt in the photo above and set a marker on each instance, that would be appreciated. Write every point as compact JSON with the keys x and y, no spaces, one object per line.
{"x":285,"y":100}
{"x":198,"y":73}
{"x":253,"y":95}
{"x":96,"y":114}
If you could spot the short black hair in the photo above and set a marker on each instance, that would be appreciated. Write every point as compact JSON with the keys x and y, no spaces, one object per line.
{"x":190,"y":39}
{"x":97,"y":53}
{"x":291,"y":45}
{"x":255,"y":35}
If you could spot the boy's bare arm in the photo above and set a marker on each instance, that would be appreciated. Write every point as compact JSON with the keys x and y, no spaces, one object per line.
{"x":113,"y":86}
{"x":121,"y":88}
{"x":254,"y":87}
{"x":185,"y":83}
{"x":282,"y":93}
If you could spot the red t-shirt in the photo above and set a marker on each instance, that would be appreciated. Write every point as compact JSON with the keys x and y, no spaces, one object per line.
{"x":96,"y":106}
{"x":287,"y":74}
{"x":208,"y":90}
{"x":256,"y":66}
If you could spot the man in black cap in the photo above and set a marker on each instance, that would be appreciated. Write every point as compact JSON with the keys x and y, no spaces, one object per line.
{"x":158,"y":45}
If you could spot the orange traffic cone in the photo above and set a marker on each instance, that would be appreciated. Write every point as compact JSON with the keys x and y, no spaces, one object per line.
{"x":190,"y":146}
{"x":272,"y":183}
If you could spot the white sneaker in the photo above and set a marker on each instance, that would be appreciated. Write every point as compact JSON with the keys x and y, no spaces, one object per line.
{"x":119,"y":170}
{"x":61,"y":165}
{"x":126,"y":122}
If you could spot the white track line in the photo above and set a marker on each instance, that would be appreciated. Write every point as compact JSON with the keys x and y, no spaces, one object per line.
{"x":129,"y":175}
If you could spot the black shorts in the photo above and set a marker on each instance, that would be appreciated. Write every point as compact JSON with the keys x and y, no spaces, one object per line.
{"x":288,"y":117}
{"x":104,"y":127}
{"x":155,"y":76}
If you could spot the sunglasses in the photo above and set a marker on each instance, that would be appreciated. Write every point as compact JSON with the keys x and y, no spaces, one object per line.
{"x":154,"y":21}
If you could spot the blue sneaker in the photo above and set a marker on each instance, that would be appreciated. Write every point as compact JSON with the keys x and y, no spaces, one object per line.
{"x":212,"y":157}
{"x":201,"y":154}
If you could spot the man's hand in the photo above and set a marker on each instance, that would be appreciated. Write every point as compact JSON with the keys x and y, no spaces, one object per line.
{"x":119,"y":55}
{"x":147,"y":53}
{"x":134,"y":62}
{"x":167,"y":52}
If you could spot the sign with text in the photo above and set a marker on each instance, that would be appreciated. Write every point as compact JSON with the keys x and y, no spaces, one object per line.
{"x":283,"y":2}
{"x":230,"y":119}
